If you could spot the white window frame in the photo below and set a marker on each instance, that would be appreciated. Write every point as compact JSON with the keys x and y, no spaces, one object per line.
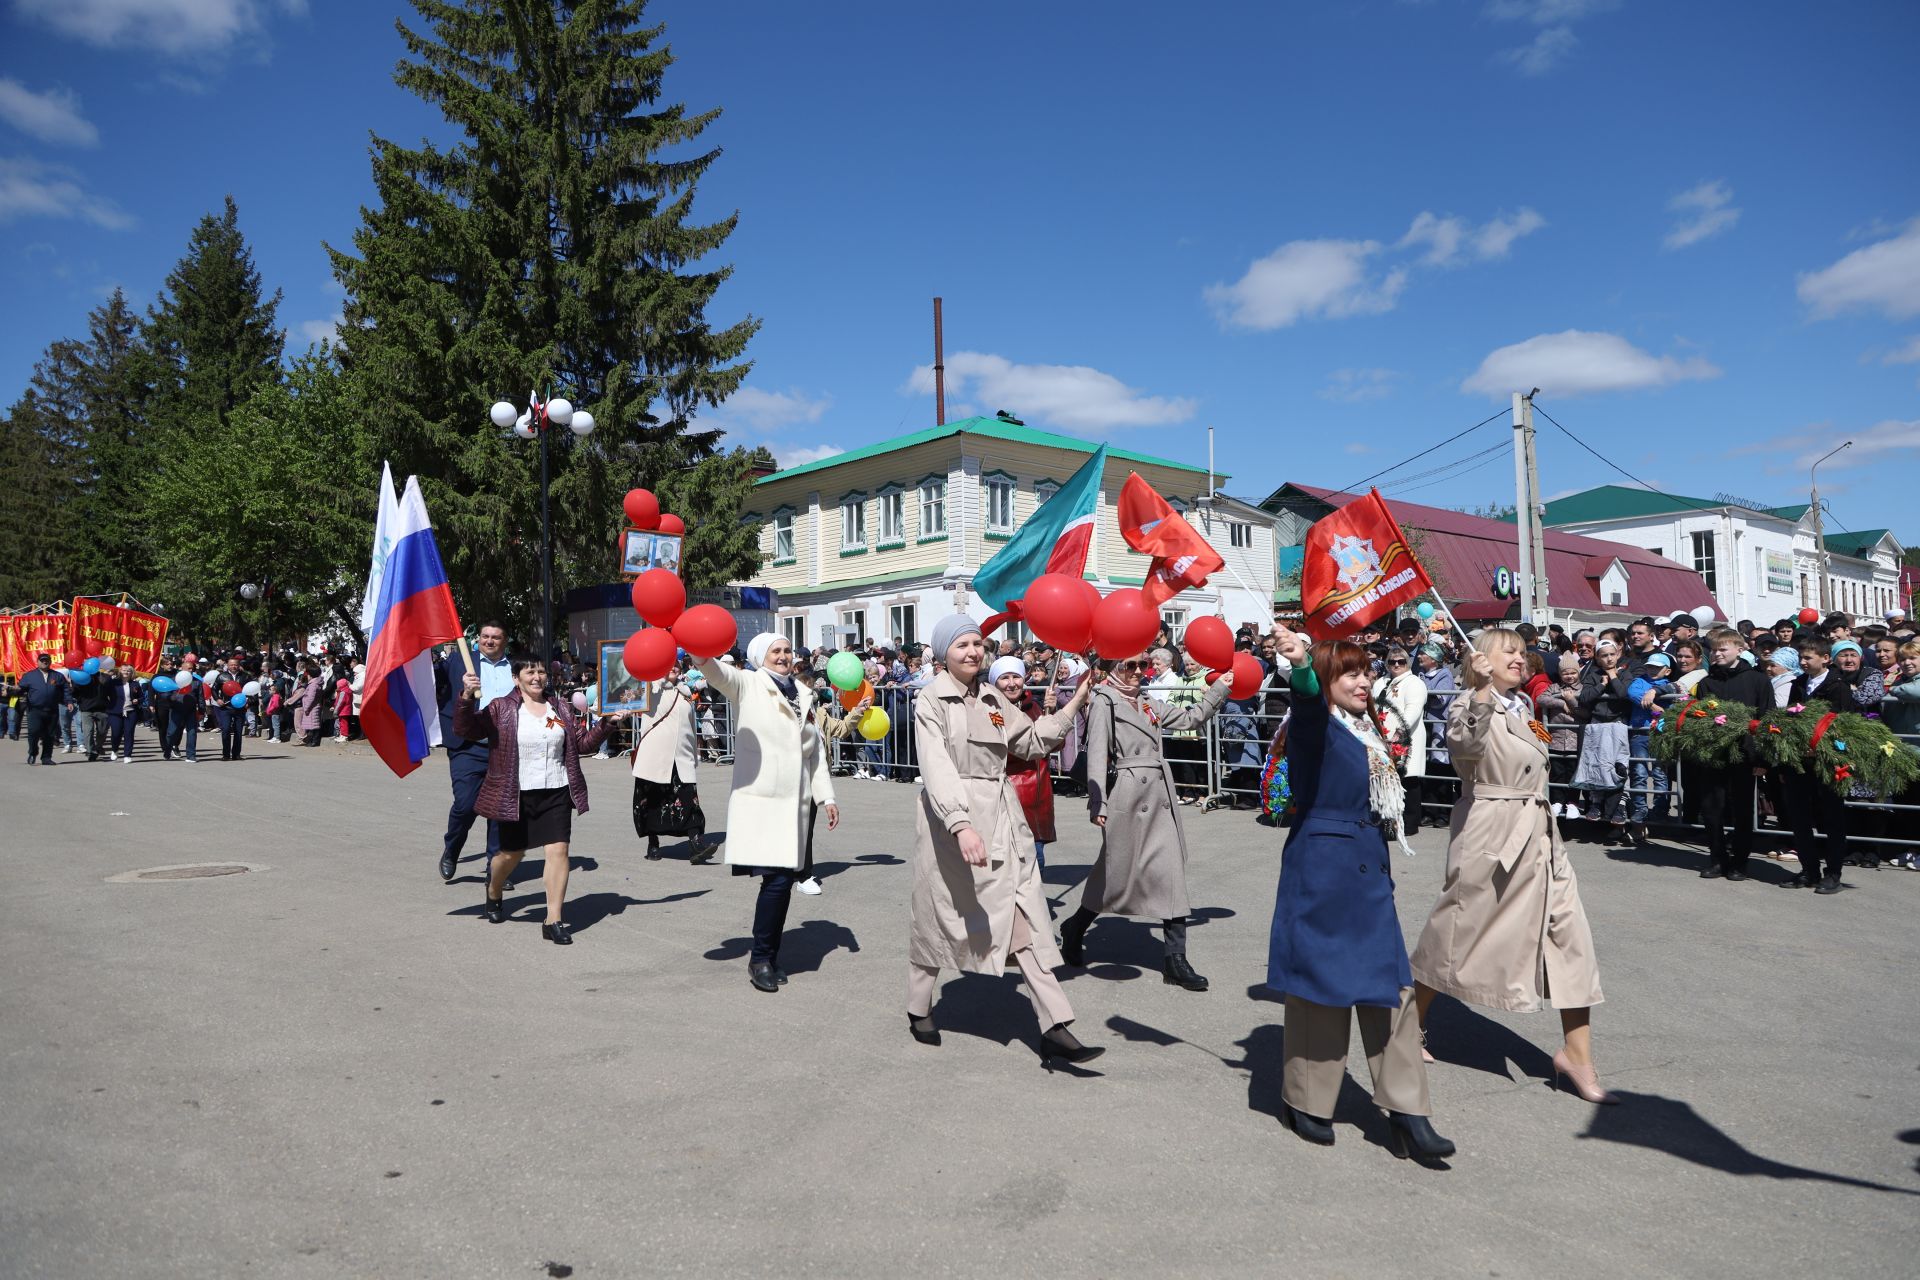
{"x":1043,"y":491}
{"x":1176,"y":623}
{"x":933,"y":507}
{"x":783,"y":528}
{"x":1705,"y":562}
{"x":893,"y":516}
{"x":857,"y":619}
{"x":903,"y":621}
{"x":1239,"y":534}
{"x":999,"y":488}
{"x":853,"y":521}
{"x":794,"y":628}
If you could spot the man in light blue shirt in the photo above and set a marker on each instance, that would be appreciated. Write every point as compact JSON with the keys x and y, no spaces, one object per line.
{"x":467,"y":760}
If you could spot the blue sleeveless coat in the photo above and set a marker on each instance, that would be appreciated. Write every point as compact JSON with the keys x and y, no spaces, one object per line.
{"x":1336,"y":937}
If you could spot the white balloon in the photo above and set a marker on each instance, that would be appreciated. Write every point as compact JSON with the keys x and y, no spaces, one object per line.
{"x":249,"y":591}
{"x":503,"y":414}
{"x":107,"y":663}
{"x":1703,"y":615}
{"x":559,"y":411}
{"x":582,"y":424}
{"x":523,"y":426}
{"x":251,"y":688}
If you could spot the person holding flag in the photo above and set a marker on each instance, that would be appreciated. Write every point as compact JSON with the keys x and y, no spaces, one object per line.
{"x":1053,"y":539}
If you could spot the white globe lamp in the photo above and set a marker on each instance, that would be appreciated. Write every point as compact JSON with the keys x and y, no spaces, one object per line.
{"x":582,"y":424}
{"x":559,"y":412}
{"x":503,"y":414}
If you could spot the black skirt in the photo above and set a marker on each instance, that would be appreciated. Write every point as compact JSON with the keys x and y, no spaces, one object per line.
{"x":546,"y":817}
{"x":667,"y":808}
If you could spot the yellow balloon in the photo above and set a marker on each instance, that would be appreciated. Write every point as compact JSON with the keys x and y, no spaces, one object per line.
{"x":875,"y":724}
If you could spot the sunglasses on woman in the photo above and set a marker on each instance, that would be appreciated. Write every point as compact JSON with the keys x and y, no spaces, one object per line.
{"x":1131,"y":666}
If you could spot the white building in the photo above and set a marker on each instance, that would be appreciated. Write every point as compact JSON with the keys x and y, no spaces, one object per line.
{"x":1759,"y":563}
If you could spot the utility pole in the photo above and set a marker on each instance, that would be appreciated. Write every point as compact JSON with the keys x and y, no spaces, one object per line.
{"x":1526,"y":512}
{"x":1819,"y":527}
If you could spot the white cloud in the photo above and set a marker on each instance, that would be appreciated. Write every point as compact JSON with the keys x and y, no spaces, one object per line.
{"x":1543,"y":53}
{"x":1356,"y":386}
{"x":1496,"y":237}
{"x":1807,"y":445}
{"x":1579,"y":363}
{"x":757,"y":410}
{"x":1555,"y":39}
{"x":799,"y":455}
{"x":1907,"y":352}
{"x":1883,"y":277}
{"x":53,"y":116}
{"x":168,"y":26}
{"x":328,"y":330}
{"x":1709,"y":212}
{"x":1358,"y":447}
{"x":1305,"y":279}
{"x":1070,"y":396}
{"x":29,"y":189}
{"x":1446,"y":237}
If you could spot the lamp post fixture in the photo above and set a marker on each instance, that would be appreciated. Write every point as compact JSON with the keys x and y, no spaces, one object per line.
{"x":537,"y":420}
{"x":1819,"y":529}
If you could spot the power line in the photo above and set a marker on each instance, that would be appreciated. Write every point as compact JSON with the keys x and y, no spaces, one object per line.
{"x":1355,"y":486}
{"x":1471,"y":461}
{"x":1498,"y":455}
{"x":1685,"y":501}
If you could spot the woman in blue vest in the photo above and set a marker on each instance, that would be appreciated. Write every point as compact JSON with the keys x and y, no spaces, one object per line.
{"x":1336,"y":949}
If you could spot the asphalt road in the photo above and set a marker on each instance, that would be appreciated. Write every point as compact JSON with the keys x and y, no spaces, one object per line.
{"x":332,"y":1066}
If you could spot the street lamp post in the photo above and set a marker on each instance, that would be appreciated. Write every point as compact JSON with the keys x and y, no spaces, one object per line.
{"x":1819,"y":528}
{"x":537,"y":419}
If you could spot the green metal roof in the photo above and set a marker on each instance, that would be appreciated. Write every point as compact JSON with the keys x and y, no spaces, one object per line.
{"x":994,"y":428}
{"x":1858,"y":545}
{"x":1619,"y":502}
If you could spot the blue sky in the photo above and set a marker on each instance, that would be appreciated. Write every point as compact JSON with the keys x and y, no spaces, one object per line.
{"x":1337,"y":233}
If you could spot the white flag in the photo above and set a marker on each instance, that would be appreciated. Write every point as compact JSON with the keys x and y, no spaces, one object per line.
{"x":383,"y":527}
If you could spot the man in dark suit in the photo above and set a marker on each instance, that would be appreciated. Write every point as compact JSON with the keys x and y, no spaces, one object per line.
{"x":467,"y":760}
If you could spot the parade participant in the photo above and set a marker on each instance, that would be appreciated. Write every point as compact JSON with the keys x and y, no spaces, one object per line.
{"x":307,"y":695}
{"x":123,"y":713}
{"x":466,"y":761}
{"x":1335,"y":953}
{"x":1398,"y":703}
{"x":779,"y":774}
{"x":90,"y":703}
{"x":1032,"y":779}
{"x":533,"y":784}
{"x":1142,"y":867}
{"x":666,"y":794}
{"x":187,"y":699}
{"x":1509,"y":931}
{"x":1810,"y":802}
{"x":1726,"y":794}
{"x":976,"y":887}
{"x":232,"y":720}
{"x":44,"y":691}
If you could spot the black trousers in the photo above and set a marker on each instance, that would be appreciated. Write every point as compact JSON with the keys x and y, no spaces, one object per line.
{"x":1812,"y":803}
{"x":776,"y":895}
{"x":42,"y":727}
{"x":1416,"y":786}
{"x":1726,"y":800}
{"x":468,"y":767}
{"x":233,"y":728}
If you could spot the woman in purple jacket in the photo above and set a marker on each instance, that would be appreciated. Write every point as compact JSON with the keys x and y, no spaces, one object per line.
{"x":533,"y":785}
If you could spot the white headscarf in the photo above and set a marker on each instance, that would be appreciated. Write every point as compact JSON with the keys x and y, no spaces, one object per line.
{"x":758,"y":646}
{"x":1006,"y":666}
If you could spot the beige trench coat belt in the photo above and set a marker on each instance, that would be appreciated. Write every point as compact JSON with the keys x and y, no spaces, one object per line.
{"x":1518,"y":840}
{"x":1137,"y":762}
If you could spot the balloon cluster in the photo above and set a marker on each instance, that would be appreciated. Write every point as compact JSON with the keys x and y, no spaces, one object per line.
{"x":660,"y":598}
{"x":1069,"y":613}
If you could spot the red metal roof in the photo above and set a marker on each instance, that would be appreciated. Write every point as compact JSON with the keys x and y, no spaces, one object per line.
{"x":1460,"y":553}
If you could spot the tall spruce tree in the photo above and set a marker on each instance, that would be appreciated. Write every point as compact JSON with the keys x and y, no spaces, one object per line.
{"x":45,"y":475}
{"x":552,"y":250}
{"x":117,"y":552}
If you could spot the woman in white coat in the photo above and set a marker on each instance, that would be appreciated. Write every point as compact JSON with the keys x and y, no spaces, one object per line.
{"x":666,"y":798}
{"x":779,"y":775}
{"x":1399,"y":707}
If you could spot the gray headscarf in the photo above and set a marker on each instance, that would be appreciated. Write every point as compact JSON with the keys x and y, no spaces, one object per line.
{"x":950,"y":629}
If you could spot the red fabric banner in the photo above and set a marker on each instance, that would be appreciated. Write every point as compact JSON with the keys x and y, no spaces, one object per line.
{"x":35,"y":633}
{"x":133,"y":637}
{"x":8,"y":656}
{"x":1358,"y":566}
{"x":1181,"y":557}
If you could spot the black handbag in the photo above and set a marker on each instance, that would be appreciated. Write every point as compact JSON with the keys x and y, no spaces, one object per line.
{"x":675,"y":817}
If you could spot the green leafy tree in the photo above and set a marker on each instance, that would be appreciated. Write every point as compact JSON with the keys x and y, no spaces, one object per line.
{"x":552,"y":250}
{"x":40,"y":477}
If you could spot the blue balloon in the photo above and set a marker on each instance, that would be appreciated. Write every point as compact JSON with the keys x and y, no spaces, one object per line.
{"x":239,"y":700}
{"x":1425,"y":610}
{"x":91,"y":666}
{"x":82,"y":676}
{"x":163,"y":684}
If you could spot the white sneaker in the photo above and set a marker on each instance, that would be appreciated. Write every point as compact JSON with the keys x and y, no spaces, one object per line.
{"x":69,"y":750}
{"x":126,"y":759}
{"x":809,"y":886}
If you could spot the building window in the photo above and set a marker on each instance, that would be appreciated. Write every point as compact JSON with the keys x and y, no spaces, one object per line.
{"x":1043,"y":492}
{"x":1703,"y":561}
{"x":893,"y":517}
{"x":1239,"y":534}
{"x":999,"y":503}
{"x":856,"y":621}
{"x":933,"y":508}
{"x":1175,"y":621}
{"x":782,"y":536}
{"x":853,"y":522}
{"x":1017,"y":632}
{"x":904,"y":621}
{"x":1803,"y":590}
{"x":794,"y":628}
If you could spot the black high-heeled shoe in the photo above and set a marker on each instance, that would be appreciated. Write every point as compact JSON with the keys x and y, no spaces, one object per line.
{"x":1057,"y":1045}
{"x":1176,"y":971}
{"x":1413,"y":1138}
{"x":558,"y":931}
{"x":923,"y":1030}
{"x":1312,"y":1128}
{"x":496,"y":910}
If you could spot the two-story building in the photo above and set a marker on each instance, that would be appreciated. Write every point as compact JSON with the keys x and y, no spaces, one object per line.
{"x":1760,"y":563}
{"x":880,"y":542}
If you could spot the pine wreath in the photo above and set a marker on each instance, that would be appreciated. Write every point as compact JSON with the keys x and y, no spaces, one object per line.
{"x":1843,"y":749}
{"x":1711,"y":732}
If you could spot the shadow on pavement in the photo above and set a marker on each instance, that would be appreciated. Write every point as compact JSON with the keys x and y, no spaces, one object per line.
{"x":590,"y":909}
{"x":802,"y":947}
{"x":827,"y":870}
{"x":1674,"y":1127}
{"x":1672,"y":858}
{"x":1461,"y":1036}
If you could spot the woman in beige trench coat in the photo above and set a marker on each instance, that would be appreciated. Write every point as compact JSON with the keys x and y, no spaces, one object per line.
{"x":1508,"y":931}
{"x":976,"y":885}
{"x":1142,"y":868}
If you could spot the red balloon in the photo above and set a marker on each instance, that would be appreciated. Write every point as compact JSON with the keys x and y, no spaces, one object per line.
{"x":672,"y":524}
{"x":1809,"y":616}
{"x":649,"y":654}
{"x":1247,"y":675}
{"x":190,"y":659}
{"x":1091,"y":592}
{"x":706,"y":631}
{"x":1210,"y":643}
{"x":659,"y":597}
{"x":74,"y":660}
{"x":93,"y":647}
{"x":230,"y":687}
{"x":642,"y":508}
{"x":1124,"y":624}
{"x":1058,"y":611}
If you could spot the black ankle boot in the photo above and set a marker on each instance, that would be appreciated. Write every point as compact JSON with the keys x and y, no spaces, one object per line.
{"x":496,"y":910}
{"x":1414,"y":1138}
{"x":762,"y":977}
{"x":923,"y":1030}
{"x":1176,"y":970}
{"x":1073,"y":939}
{"x":558,"y":931}
{"x":1312,"y":1128}
{"x":1058,"y":1044}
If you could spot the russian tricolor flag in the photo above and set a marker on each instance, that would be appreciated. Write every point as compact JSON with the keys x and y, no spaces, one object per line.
{"x":410,"y":609}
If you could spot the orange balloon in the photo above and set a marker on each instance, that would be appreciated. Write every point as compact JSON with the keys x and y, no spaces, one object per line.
{"x":851,"y":698}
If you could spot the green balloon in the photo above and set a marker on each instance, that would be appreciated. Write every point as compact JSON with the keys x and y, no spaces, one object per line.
{"x":844,"y":671}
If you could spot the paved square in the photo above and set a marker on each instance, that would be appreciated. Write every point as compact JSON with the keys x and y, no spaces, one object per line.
{"x":332,"y":1066}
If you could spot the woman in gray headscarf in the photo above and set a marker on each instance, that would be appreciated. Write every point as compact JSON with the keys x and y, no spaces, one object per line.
{"x":976,"y":883}
{"x":780,"y":777}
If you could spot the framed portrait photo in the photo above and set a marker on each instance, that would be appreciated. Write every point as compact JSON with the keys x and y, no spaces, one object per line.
{"x":618,"y":691}
{"x":636,"y":552}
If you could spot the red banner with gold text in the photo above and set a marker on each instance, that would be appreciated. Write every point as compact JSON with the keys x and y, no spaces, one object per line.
{"x":133,"y":638}
{"x":1356,"y":567}
{"x":28,"y":634}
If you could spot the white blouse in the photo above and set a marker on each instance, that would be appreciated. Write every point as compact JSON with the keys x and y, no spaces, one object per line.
{"x":542,"y":749}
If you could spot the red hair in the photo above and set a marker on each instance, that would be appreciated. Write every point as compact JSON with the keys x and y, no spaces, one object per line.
{"x":1336,"y":659}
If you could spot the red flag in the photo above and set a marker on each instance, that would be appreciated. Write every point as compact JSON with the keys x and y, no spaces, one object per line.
{"x":1357,"y":567}
{"x":1181,"y":557}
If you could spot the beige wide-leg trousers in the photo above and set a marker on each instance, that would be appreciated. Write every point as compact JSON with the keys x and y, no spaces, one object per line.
{"x":1316,"y":1056}
{"x":1049,"y":1000}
